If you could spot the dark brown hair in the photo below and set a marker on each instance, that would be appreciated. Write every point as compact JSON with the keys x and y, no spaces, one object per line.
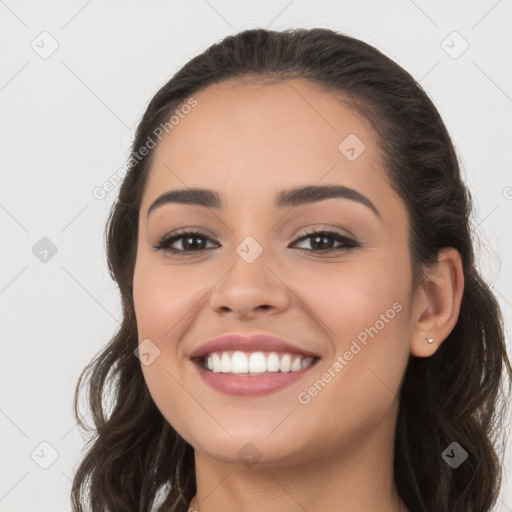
{"x":134,"y":454}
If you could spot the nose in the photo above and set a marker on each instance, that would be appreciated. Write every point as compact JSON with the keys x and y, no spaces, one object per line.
{"x":250,"y":288}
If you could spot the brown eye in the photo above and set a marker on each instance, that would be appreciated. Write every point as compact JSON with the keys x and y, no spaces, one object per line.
{"x":321,"y":241}
{"x":191,"y":242}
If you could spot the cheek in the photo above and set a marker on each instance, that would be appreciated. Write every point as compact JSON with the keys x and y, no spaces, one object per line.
{"x":162,"y":296}
{"x":363,"y":310}
{"x":161,"y":299}
{"x":352,"y":295}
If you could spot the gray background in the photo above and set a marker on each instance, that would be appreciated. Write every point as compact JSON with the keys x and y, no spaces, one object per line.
{"x":67,"y":121}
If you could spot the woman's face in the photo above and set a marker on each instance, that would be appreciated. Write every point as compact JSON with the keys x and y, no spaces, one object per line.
{"x":253,"y":270}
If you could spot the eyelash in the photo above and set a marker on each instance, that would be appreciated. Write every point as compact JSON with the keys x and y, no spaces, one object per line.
{"x":347,"y":243}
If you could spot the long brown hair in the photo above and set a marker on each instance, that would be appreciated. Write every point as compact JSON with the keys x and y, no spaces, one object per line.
{"x":134,"y":455}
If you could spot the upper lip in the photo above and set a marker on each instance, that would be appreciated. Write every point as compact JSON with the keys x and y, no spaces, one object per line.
{"x":254,"y":343}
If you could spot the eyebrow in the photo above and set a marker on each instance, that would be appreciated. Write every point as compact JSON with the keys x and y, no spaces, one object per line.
{"x":286,"y":198}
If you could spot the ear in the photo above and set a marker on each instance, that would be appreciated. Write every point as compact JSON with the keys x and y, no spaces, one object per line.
{"x":436,"y":309}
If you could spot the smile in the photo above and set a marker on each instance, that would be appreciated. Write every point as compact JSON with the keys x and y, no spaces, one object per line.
{"x":255,"y":363}
{"x":252,"y":374}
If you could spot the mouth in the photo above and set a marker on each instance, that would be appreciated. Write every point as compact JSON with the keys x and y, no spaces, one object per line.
{"x":249,"y":364}
{"x":251,"y":374}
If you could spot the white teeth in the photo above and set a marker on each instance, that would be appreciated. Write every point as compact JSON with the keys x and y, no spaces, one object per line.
{"x":257,"y":363}
{"x":239,"y":363}
{"x":254,"y":363}
{"x":272,"y":362}
{"x":306,"y":362}
{"x":286,"y":363}
{"x":225,"y":363}
{"x":295,"y":365}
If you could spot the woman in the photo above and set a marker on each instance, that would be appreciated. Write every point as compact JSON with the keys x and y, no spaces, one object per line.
{"x":304,"y":327}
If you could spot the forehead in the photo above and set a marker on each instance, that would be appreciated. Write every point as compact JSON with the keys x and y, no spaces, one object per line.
{"x":250,"y":139}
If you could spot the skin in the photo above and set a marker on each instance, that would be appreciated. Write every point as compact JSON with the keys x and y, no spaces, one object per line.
{"x":248,"y":141}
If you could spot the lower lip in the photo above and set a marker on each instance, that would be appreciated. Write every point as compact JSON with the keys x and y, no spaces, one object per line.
{"x":250,"y":385}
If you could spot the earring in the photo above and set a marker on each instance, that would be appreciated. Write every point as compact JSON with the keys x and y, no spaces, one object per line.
{"x":430,"y":340}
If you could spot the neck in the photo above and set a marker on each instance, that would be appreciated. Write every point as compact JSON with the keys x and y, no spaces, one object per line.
{"x":358,"y":477}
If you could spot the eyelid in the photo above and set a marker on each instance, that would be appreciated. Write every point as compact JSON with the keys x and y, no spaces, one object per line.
{"x":310,"y":229}
{"x":314,"y":229}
